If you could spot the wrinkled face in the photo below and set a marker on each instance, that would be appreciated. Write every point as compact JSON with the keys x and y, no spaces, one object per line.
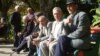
{"x":57,"y":15}
{"x":72,"y":8}
{"x":42,"y":21}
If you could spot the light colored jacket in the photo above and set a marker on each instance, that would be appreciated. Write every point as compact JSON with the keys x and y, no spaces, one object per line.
{"x":80,"y":30}
{"x":62,"y":30}
{"x":45,"y":31}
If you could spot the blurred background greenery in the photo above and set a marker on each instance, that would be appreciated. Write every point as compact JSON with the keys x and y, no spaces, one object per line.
{"x":96,"y":20}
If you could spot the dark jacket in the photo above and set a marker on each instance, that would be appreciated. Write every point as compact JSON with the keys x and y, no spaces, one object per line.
{"x":28,"y":28}
{"x":16,"y":21}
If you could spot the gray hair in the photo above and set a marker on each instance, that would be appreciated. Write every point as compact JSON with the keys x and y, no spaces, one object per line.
{"x":57,"y":9}
{"x":17,"y":6}
{"x":43,"y":17}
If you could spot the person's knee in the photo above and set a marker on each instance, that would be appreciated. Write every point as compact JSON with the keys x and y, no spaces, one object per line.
{"x":51,"y":47}
{"x":40,"y":44}
{"x":61,"y":38}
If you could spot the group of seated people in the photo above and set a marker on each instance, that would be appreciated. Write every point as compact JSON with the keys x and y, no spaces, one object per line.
{"x":55,"y":38}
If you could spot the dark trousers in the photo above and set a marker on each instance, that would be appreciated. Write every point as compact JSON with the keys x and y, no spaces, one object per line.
{"x":20,"y":39}
{"x":63,"y":46}
{"x":22,"y":45}
{"x":32,"y":49}
{"x":16,"y":40}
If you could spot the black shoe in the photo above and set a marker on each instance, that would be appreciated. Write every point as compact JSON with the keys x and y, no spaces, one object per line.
{"x":30,"y":54}
{"x":25,"y":50}
{"x":15,"y":50}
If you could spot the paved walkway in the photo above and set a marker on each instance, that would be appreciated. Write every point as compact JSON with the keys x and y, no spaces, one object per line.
{"x":5,"y":50}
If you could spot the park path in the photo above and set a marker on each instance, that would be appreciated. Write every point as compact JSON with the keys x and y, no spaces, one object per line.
{"x":5,"y":50}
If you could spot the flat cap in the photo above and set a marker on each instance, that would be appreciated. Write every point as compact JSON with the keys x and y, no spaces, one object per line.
{"x":71,"y":1}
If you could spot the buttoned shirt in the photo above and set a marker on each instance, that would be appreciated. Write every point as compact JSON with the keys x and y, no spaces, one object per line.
{"x":57,"y":29}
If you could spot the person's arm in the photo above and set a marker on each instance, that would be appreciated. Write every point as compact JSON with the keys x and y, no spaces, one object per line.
{"x":83,"y":27}
{"x":66,"y":22}
{"x":65,"y":30}
{"x":49,"y":28}
{"x":50,"y":39}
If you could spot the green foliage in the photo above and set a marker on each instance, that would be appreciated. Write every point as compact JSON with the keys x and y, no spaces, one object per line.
{"x":96,"y":20}
{"x":34,"y":4}
{"x":11,"y":34}
{"x":98,"y":0}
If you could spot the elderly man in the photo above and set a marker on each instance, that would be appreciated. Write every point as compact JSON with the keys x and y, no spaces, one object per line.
{"x":47,"y":47}
{"x":45,"y":25}
{"x":78,"y":36}
{"x":45,"y":30}
{"x":16,"y":23}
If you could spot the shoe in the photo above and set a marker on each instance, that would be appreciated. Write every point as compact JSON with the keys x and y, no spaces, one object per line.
{"x":25,"y":50}
{"x":30,"y":54}
{"x":15,"y":50}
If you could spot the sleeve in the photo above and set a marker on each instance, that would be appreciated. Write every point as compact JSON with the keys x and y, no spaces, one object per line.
{"x":49,"y":28}
{"x":40,"y":32}
{"x":65,"y":29}
{"x":83,"y":27}
{"x":51,"y":37}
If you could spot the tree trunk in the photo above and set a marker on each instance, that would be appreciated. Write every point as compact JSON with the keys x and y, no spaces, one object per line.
{"x":4,"y":14}
{"x":5,"y":5}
